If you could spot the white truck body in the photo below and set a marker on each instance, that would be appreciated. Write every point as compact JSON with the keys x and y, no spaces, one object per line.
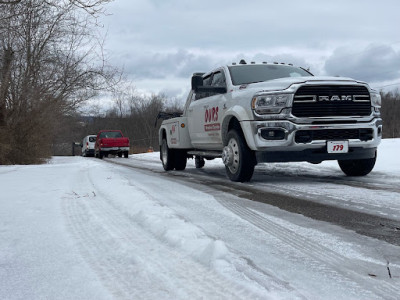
{"x":295,"y":118}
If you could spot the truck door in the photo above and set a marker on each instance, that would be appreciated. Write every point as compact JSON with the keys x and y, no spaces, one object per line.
{"x":206,"y":115}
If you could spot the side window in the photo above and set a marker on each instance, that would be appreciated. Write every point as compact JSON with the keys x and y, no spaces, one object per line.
{"x":218,"y":79}
{"x":215,"y":79}
{"x":206,"y":81}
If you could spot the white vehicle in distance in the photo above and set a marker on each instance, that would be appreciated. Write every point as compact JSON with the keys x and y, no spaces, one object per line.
{"x":88,"y":145}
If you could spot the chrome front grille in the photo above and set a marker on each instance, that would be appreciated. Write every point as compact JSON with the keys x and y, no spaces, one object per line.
{"x":331,"y":101}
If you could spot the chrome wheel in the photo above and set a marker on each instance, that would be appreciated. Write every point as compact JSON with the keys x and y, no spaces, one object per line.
{"x":231,"y":155}
{"x":239,"y":160}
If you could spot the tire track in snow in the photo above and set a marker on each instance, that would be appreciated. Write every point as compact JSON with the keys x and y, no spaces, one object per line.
{"x":211,"y":285}
{"x":129,"y":260}
{"x":333,"y":264}
{"x":345,"y":213}
{"x":250,"y":271}
{"x":381,"y":288}
{"x":261,"y":175}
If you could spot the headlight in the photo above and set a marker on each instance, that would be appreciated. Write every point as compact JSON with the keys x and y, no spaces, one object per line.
{"x":376,"y":99}
{"x":270,"y":103}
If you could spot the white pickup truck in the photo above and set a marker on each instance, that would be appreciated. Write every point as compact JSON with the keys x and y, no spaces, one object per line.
{"x":254,"y":113}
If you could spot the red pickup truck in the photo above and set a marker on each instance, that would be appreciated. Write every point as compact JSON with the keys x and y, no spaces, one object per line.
{"x":111,"y":142}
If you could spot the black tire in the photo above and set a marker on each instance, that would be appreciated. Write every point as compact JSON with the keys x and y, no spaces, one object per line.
{"x":119,"y":154}
{"x":240,"y":167}
{"x":167,"y":156}
{"x":199,"y":162}
{"x":357,"y":167}
{"x":180,"y":159}
{"x":101,"y":154}
{"x":126,"y":154}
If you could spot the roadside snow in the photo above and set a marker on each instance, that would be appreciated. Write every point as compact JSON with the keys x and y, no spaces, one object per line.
{"x":81,"y":228}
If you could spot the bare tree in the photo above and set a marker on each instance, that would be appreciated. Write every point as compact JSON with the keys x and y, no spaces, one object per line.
{"x":50,"y":63}
{"x":390,"y":114}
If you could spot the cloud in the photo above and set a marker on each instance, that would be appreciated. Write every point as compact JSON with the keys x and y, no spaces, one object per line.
{"x":183,"y":63}
{"x":373,"y":64}
{"x":170,"y":64}
{"x":161,"y":43}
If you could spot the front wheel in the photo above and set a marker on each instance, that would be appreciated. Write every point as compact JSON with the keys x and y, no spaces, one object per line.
{"x":167,"y":156}
{"x":357,"y":167}
{"x":239,"y":160}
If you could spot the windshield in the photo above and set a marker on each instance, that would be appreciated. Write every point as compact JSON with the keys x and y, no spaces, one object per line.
{"x":245,"y":74}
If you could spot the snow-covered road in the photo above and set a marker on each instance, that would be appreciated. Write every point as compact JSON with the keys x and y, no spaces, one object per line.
{"x":81,"y":228}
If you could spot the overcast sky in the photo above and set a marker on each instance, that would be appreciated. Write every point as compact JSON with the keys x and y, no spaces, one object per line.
{"x":160,"y":43}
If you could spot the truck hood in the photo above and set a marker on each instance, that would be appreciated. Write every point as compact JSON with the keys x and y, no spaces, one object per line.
{"x":285,"y":83}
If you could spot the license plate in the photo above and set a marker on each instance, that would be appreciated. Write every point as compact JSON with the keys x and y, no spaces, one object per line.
{"x":338,"y":146}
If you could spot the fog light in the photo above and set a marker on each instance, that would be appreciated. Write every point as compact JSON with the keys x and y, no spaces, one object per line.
{"x":272,"y":134}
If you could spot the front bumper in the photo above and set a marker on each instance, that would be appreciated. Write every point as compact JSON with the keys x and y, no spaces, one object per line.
{"x":286,"y":145}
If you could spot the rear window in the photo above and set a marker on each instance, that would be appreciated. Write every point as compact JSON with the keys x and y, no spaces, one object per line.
{"x":245,"y":74}
{"x":92,"y":139}
{"x":110,"y":134}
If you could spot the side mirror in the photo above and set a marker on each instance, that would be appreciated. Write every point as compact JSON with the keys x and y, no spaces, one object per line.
{"x":197,"y":81}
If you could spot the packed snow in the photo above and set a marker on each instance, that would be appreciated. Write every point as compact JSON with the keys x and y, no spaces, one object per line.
{"x":83,"y":228}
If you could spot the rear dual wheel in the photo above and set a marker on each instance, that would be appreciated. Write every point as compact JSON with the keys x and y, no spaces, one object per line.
{"x":172,"y":158}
